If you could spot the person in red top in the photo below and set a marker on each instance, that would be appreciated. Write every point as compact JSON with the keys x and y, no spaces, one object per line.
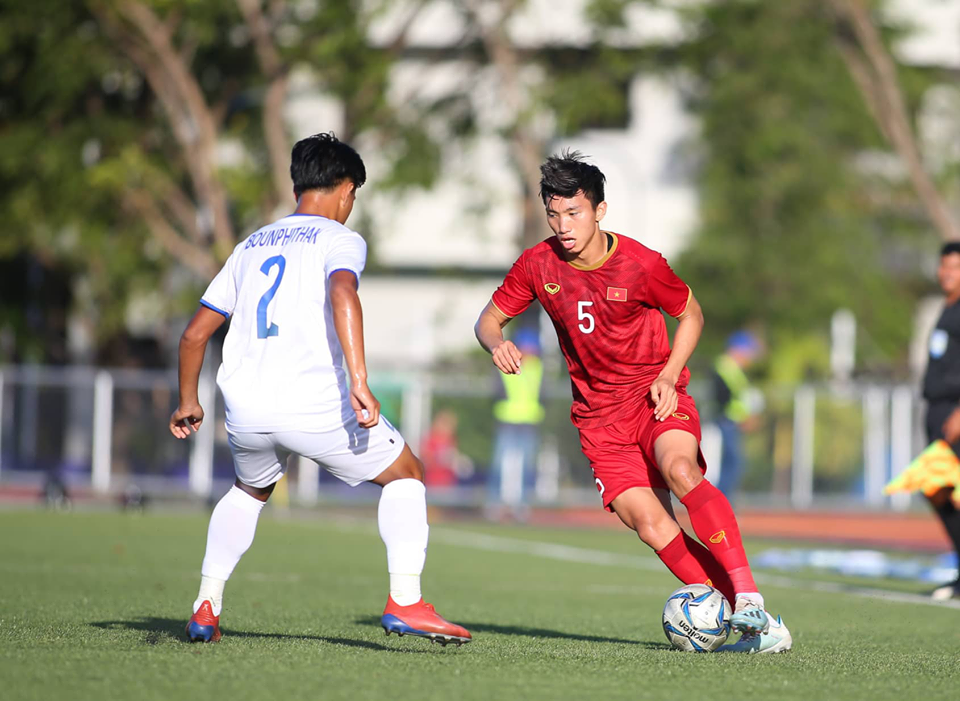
{"x":639,"y":428}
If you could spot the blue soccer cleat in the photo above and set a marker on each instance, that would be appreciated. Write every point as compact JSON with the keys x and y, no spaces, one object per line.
{"x":204,"y":627}
{"x":776,"y":639}
{"x":749,"y":618}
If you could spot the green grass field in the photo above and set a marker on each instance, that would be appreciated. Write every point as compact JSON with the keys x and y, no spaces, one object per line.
{"x":93,"y":606}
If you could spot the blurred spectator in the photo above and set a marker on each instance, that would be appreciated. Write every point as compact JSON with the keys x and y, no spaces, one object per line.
{"x":941,"y":389}
{"x":736,"y":405}
{"x":442,"y":462}
{"x":518,"y":415}
{"x":55,"y":495}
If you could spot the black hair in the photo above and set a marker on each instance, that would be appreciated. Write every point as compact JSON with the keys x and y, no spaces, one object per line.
{"x":567,"y":174}
{"x":322,"y":162}
{"x":950,"y":247}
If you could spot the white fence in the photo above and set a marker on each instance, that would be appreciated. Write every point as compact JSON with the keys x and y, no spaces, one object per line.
{"x":104,"y":429}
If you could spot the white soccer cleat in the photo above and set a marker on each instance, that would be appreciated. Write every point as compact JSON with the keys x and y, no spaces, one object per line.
{"x":946,"y":592}
{"x":749,"y":618}
{"x":776,"y":639}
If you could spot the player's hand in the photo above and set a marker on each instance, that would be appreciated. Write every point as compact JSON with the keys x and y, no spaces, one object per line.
{"x":184,"y":419}
{"x":507,"y":357}
{"x":663,"y":392}
{"x":951,"y":427}
{"x":365,"y":405}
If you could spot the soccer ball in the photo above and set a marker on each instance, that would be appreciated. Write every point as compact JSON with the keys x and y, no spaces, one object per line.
{"x":696,"y":618}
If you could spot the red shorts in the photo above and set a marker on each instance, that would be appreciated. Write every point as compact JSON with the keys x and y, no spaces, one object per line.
{"x":621,"y":454}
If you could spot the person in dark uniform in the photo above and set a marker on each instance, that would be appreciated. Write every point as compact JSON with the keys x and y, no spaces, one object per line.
{"x":941,"y":389}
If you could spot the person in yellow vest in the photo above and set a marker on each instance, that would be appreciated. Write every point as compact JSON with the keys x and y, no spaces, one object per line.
{"x":732,"y":392}
{"x":519,"y":414}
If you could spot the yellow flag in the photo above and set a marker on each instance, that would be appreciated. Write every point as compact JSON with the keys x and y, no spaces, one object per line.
{"x":935,"y":468}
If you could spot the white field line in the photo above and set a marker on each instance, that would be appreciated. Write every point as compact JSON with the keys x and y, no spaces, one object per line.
{"x":128,"y":571}
{"x":569,"y":553}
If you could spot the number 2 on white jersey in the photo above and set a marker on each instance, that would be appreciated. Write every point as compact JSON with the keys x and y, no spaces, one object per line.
{"x":583,"y":315}
{"x":273,"y":330}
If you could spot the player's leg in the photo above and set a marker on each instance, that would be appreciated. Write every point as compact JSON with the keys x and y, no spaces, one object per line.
{"x":630,"y":487}
{"x":380,"y":455}
{"x":233,"y":524}
{"x":676,"y":452}
{"x":649,"y":512}
{"x":946,"y":510}
{"x":402,"y":519}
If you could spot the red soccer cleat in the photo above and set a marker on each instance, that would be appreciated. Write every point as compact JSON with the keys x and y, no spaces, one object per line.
{"x":204,"y":627}
{"x":421,"y":619}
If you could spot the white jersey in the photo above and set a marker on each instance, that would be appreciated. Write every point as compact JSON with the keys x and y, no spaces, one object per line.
{"x":282,"y":361}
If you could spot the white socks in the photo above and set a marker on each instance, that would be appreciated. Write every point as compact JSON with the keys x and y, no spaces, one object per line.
{"x":402,"y":517}
{"x":750,"y":596}
{"x":232,"y":527}
{"x":210,"y":588}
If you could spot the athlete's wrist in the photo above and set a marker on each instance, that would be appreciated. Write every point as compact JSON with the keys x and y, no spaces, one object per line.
{"x":669,"y":376}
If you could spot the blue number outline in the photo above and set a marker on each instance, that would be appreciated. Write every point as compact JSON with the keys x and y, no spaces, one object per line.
{"x":274,"y":330}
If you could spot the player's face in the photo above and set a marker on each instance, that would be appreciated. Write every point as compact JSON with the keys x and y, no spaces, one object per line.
{"x":948,"y":274}
{"x":574,"y":221}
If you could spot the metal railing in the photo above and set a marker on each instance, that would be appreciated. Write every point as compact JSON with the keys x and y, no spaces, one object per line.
{"x":105,"y":429}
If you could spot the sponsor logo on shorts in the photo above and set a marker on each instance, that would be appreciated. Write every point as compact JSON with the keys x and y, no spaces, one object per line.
{"x":718,"y":536}
{"x":681,"y":416}
{"x":709,"y":582}
{"x":552,"y":288}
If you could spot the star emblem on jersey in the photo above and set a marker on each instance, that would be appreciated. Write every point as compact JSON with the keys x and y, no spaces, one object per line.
{"x":616,"y":294}
{"x":552,"y":288}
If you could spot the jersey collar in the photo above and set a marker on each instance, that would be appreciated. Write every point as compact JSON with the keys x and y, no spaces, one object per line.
{"x":606,"y":256}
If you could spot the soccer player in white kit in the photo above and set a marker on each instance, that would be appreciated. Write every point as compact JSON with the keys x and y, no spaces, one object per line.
{"x":290,"y":292}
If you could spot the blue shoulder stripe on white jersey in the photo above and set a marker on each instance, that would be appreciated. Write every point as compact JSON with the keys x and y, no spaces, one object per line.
{"x":216,"y":309}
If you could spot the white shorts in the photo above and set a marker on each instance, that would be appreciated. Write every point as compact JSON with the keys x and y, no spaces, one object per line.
{"x":351,"y":453}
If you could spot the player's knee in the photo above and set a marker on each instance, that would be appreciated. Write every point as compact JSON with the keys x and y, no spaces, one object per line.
{"x":261,"y":493}
{"x":656,"y":533}
{"x":681,"y":473}
{"x":409,"y":468}
{"x":416,"y":469}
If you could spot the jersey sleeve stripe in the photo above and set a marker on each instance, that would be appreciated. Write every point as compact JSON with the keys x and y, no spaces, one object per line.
{"x":347,"y":270}
{"x":686,"y":304}
{"x":207,"y":304}
{"x":509,"y":316}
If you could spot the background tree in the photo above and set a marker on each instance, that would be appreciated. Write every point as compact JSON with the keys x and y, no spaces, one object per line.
{"x":140,"y":136}
{"x":798,"y":220}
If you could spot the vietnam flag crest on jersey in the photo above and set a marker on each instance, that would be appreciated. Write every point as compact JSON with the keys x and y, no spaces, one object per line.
{"x":616,"y":294}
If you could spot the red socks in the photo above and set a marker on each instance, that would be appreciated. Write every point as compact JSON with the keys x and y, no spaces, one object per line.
{"x":692,"y":563}
{"x":716,"y":526}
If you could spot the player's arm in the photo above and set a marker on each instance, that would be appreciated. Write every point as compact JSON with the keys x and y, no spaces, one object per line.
{"x":193,"y":346}
{"x":348,"y":322}
{"x":663,"y":391}
{"x":489,"y":331}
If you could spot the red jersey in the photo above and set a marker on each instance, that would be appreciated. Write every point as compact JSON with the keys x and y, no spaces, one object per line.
{"x":607,"y":318}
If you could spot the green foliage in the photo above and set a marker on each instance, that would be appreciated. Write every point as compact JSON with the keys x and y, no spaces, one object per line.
{"x":793,"y":227}
{"x":588,"y":89}
{"x":81,"y":129}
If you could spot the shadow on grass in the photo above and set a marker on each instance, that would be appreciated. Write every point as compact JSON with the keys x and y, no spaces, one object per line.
{"x":529,"y":632}
{"x":172,"y":629}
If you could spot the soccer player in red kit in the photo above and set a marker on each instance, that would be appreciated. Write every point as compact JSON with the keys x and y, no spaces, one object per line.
{"x":638,"y":426}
